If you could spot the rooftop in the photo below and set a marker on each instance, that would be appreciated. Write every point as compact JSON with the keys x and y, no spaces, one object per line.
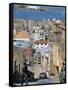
{"x":41,"y":41}
{"x":22,"y":34}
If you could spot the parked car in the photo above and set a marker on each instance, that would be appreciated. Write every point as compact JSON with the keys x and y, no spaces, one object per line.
{"x":42,"y":75}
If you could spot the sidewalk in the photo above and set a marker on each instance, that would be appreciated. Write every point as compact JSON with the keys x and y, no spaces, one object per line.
{"x":24,"y":84}
{"x":55,"y":78}
{"x":31,"y":82}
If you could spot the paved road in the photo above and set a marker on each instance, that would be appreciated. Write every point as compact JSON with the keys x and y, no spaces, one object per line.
{"x":45,"y":81}
{"x":41,"y":81}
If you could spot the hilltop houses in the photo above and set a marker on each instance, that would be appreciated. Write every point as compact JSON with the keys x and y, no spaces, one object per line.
{"x":41,"y":44}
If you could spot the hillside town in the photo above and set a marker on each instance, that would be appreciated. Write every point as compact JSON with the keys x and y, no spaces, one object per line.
{"x":39,"y":55}
{"x":40,"y":45}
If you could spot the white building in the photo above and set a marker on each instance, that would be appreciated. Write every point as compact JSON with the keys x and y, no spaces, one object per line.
{"x":38,"y":33}
{"x":42,"y":56}
{"x":40,"y":44}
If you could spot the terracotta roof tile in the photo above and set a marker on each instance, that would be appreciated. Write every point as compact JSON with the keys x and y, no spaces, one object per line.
{"x":22,"y":35}
{"x":41,"y":41}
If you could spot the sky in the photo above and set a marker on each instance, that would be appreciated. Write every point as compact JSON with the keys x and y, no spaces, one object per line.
{"x":49,"y":13}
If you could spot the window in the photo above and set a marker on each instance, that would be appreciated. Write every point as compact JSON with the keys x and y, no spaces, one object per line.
{"x":37,"y":44}
{"x":33,"y":31}
{"x":19,"y":44}
{"x":33,"y":50}
{"x":39,"y":58}
{"x":46,"y":37}
{"x":39,"y":61}
{"x":46,"y":58}
{"x":41,"y":38}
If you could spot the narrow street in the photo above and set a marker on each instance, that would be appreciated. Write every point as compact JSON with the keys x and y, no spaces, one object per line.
{"x":38,"y":47}
{"x":51,"y":80}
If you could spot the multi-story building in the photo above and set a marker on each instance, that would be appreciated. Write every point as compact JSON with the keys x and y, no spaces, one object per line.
{"x":21,"y":47}
{"x":40,"y":44}
{"x":58,"y":47}
{"x":39,"y":33}
{"x":42,"y":60}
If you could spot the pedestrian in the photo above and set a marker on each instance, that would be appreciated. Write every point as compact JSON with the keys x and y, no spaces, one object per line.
{"x":24,"y":75}
{"x":62,"y":76}
{"x":23,"y":79}
{"x":26,"y":79}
